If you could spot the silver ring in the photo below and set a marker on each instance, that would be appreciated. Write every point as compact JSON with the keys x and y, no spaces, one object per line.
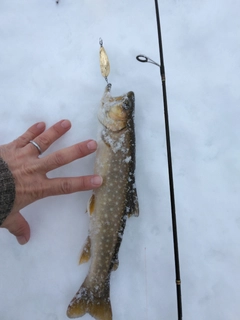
{"x":36,"y":145}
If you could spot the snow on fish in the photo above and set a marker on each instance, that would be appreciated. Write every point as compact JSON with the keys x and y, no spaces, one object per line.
{"x":109,"y":205}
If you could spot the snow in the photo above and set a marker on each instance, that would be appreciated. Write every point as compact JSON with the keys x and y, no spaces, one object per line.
{"x":116,"y":144}
{"x":50,"y":71}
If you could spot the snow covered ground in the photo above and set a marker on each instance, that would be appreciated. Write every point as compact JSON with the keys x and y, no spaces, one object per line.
{"x":49,"y":70}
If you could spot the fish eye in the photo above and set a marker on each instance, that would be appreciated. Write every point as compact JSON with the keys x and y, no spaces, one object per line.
{"x":125,"y":106}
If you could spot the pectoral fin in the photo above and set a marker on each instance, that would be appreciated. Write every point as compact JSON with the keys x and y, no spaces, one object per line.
{"x":91,"y":205}
{"x":86,"y":251}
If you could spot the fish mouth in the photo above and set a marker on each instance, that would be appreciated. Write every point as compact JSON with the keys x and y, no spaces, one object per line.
{"x":115,"y":112}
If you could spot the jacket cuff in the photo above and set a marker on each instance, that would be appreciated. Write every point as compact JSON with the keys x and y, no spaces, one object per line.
{"x":7,"y":191}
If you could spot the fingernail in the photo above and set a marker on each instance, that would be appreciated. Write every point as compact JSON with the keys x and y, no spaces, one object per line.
{"x":21,"y":240}
{"x":96,"y":181}
{"x":92,"y":145}
{"x":41,"y":125}
{"x":66,"y":124}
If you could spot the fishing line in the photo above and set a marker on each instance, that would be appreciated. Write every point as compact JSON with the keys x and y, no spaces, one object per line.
{"x":143,"y":58}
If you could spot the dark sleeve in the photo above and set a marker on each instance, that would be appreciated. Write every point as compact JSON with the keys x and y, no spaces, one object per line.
{"x":7,"y":191}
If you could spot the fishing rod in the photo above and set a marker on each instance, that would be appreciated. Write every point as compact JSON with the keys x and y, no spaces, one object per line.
{"x":143,"y":58}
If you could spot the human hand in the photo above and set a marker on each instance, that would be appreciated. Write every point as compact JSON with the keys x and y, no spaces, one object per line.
{"x":30,"y":171}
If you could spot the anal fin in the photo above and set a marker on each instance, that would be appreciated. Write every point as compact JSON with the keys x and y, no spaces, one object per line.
{"x":86,"y":251}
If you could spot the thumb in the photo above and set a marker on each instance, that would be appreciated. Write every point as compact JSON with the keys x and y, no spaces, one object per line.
{"x":18,"y":226}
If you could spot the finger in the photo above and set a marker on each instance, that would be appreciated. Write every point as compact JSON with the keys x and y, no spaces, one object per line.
{"x":45,"y":139}
{"x":60,"y":186}
{"x":30,"y":134}
{"x":67,"y":155}
{"x":18,"y":226}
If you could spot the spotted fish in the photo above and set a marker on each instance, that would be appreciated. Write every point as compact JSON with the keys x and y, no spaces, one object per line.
{"x":109,"y":206}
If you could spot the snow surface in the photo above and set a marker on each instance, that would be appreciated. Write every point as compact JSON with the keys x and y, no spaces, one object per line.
{"x":49,"y":67}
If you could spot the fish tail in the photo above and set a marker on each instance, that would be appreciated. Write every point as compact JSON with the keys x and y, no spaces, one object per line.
{"x":86,"y":301}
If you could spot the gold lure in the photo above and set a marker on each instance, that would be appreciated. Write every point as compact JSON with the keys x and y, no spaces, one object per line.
{"x":104,"y":61}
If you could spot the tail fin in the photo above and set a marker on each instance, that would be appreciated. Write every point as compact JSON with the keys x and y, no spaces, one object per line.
{"x":86,"y":301}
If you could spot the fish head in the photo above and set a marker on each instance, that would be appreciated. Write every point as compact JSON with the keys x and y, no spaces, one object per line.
{"x":115,"y":113}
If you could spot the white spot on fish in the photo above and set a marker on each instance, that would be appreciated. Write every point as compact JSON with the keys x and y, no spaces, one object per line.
{"x":116,"y":145}
{"x":127,"y":159}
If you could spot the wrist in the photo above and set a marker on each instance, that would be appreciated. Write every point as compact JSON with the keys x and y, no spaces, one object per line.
{"x":7,"y":190}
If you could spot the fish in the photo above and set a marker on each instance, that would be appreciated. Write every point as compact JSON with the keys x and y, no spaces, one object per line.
{"x":109,"y":206}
